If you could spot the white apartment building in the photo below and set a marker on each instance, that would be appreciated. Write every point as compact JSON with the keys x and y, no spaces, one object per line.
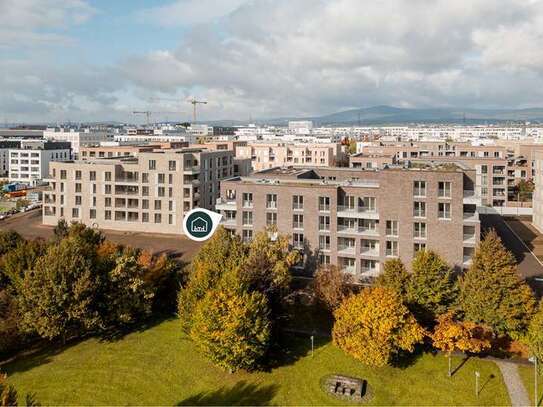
{"x":30,"y":162}
{"x":5,"y":146}
{"x":141,"y":136}
{"x":77,"y":139}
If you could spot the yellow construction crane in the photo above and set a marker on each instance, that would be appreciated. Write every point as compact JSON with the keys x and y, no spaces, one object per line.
{"x":193,"y":101}
{"x":148,"y":114}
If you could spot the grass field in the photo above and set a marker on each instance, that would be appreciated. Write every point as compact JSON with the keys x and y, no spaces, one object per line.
{"x":160,"y":365}
{"x":527,"y":375}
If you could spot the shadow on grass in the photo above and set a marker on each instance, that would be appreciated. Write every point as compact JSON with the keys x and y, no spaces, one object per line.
{"x":488,"y":379}
{"x":117,"y":333}
{"x":241,"y":394}
{"x":457,"y":368}
{"x":404,"y":359}
{"x":289,"y":348}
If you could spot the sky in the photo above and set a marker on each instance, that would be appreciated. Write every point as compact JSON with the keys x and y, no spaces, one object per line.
{"x":85,"y":60}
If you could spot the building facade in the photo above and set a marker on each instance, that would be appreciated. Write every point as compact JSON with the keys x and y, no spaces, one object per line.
{"x":149,"y":193}
{"x":358,"y":219}
{"x":77,"y":139}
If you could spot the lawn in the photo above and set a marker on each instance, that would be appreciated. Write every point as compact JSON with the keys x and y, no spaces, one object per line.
{"x":527,"y":376}
{"x":160,"y":365}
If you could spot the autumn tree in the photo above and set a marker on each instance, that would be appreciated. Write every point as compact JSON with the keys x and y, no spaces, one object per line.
{"x":19,"y":260}
{"x":221,"y":254}
{"x":534,"y":336}
{"x":331,"y":286}
{"x":10,"y":336}
{"x":375,"y":325}
{"x":451,"y":335}
{"x":57,"y":297}
{"x":232,"y":328}
{"x":8,"y":394}
{"x":431,"y":288}
{"x":491,"y":292}
{"x":394,"y":276}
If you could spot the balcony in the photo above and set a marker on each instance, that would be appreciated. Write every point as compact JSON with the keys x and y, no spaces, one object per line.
{"x":225,"y":205}
{"x":126,"y":180}
{"x":346,"y":250}
{"x":369,"y":272}
{"x":356,"y":212}
{"x":469,"y":217}
{"x":349,"y":269}
{"x":229,"y":223}
{"x":469,"y":239}
{"x":191,"y":170}
{"x":369,"y":252}
{"x":368,"y":232}
{"x":347,"y":229}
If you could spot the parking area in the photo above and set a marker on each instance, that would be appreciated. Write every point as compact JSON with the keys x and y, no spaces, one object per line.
{"x":29,"y":226}
{"x":524,"y":242}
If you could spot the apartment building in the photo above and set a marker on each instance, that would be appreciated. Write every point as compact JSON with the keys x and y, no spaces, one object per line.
{"x":77,"y":139}
{"x":29,"y":163}
{"x":117,"y":150}
{"x":358,"y":219}
{"x":537,"y":199}
{"x":270,"y":155}
{"x":148,"y":193}
{"x":5,"y":146}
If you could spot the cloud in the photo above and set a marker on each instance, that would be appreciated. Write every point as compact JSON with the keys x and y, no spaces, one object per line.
{"x":26,"y":23}
{"x":269,"y":58}
{"x":189,"y":12}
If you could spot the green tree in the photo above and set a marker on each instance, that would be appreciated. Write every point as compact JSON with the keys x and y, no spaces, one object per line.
{"x":9,"y":239}
{"x":331,"y":286}
{"x":60,"y":230}
{"x":57,"y":298}
{"x":375,"y":325}
{"x":534,"y":336}
{"x":128,"y":296}
{"x":10,"y":336}
{"x":19,"y":260}
{"x":232,"y":328}
{"x":221,"y":254}
{"x":394,"y":276}
{"x":491,"y":292}
{"x":431,"y":289}
{"x":524,"y":190}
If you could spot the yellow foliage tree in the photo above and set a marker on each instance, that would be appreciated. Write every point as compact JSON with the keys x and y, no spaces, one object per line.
{"x":450,"y":335}
{"x":374,"y":325}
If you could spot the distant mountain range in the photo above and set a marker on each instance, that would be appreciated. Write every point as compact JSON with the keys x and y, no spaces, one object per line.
{"x":380,"y":115}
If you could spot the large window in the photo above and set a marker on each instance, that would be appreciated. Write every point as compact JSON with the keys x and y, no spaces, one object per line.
{"x":444,"y":189}
{"x":392,"y":248}
{"x":324,"y":203}
{"x":324,"y":242}
{"x":247,"y":200}
{"x":419,"y":230}
{"x":419,"y":209}
{"x":324,"y":223}
{"x":444,"y":210}
{"x":392,"y":228}
{"x":298,"y":221}
{"x":271,"y":218}
{"x":419,"y":188}
{"x":247,"y":218}
{"x":271,"y":201}
{"x":298,"y":202}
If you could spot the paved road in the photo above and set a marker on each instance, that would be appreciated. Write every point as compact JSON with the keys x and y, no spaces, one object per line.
{"x":528,"y":265}
{"x":515,"y":387}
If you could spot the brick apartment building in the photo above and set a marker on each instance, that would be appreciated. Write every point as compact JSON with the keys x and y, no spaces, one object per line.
{"x":148,"y":193}
{"x":358,"y":219}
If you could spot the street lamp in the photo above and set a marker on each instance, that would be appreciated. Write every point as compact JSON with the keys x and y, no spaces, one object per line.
{"x":312,"y":344}
{"x":533,"y":359}
{"x":477,"y":375}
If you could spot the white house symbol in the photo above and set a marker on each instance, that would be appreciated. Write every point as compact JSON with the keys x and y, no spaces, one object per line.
{"x":194,"y":227}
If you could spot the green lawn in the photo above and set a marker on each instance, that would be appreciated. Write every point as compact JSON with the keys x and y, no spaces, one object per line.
{"x":527,"y":375}
{"x":160,"y":366}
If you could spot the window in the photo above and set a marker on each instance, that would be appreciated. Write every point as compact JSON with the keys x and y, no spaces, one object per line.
{"x":161,"y":178}
{"x":246,"y":235}
{"x":170,"y":179}
{"x":145,"y":217}
{"x":484,"y":169}
{"x":107,"y":176}
{"x":107,"y":215}
{"x":247,"y":200}
{"x":271,"y":201}
{"x":444,"y":189}
{"x":158,"y":218}
{"x":170,"y":219}
{"x":444,"y":210}
{"x":152,"y":164}
{"x":298,"y":221}
{"x":417,"y":247}
{"x":75,"y":212}
{"x":107,"y":202}
{"x":161,"y":191}
{"x":298,"y":240}
{"x":324,"y":223}
{"x":324,"y":242}
{"x":419,"y":230}
{"x":368,"y":204}
{"x":62,"y":174}
{"x":92,"y":214}
{"x":392,"y":228}
{"x":158,"y":204}
{"x":271,"y":218}
{"x":392,"y":248}
{"x":170,"y":206}
{"x":78,"y":199}
{"x":145,"y":177}
{"x":77,"y":187}
{"x":145,"y":191}
{"x":419,"y":209}
{"x":77,"y":174}
{"x":144,"y":204}
{"x":419,"y":188}
{"x":324,"y":259}
{"x":298,"y":202}
{"x":324,"y":203}
{"x":171,"y":165}
{"x":247,"y":218}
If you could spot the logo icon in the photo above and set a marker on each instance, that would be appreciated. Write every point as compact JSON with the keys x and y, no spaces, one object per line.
{"x":199,"y":224}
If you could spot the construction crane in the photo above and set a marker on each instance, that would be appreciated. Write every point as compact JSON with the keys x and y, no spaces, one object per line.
{"x":193,"y":101}
{"x":148,"y":114}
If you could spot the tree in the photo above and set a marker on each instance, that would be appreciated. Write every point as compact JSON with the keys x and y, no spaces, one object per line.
{"x":331,"y":286}
{"x":232,"y":328}
{"x":10,"y":336}
{"x":61,"y":229}
{"x":450,"y":335}
{"x":524,"y":189}
{"x":491,"y":292}
{"x":375,"y":325}
{"x":22,"y":203}
{"x":534,"y":336}
{"x":221,"y":254}
{"x":8,"y":394}
{"x":394,"y":276}
{"x":57,"y":298}
{"x":128,"y":296}
{"x":19,"y":260}
{"x":431,"y":289}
